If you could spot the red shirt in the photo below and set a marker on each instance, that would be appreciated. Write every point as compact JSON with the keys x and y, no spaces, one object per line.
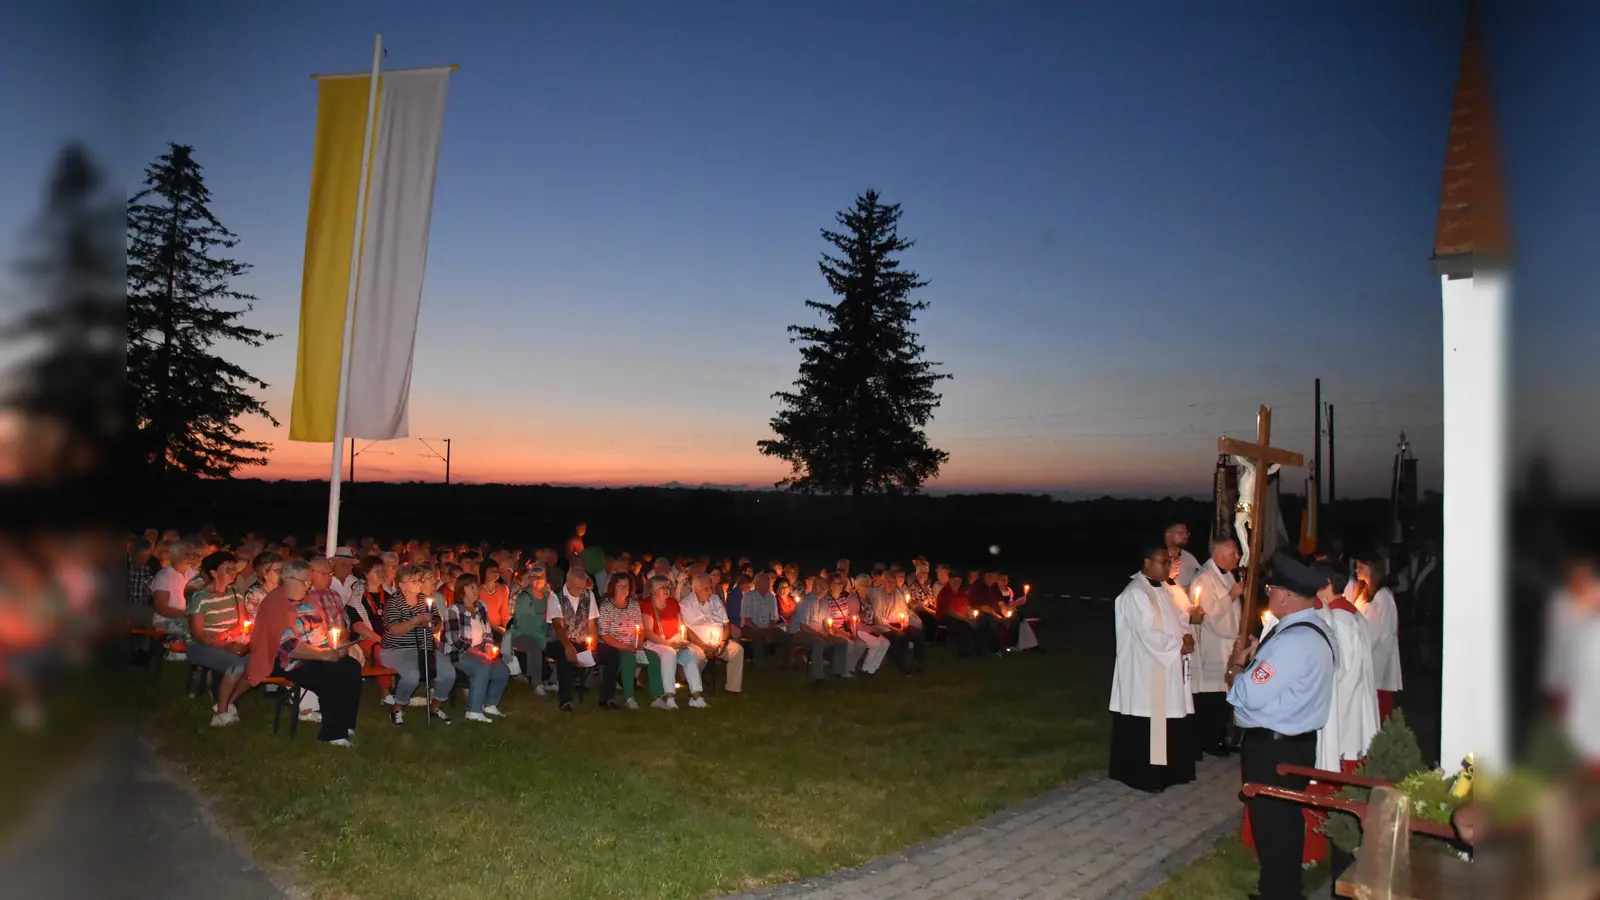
{"x":498,"y":602}
{"x":666,"y":616}
{"x":953,"y":602}
{"x":272,"y":617}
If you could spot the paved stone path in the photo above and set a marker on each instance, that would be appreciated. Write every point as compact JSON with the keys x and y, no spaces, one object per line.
{"x":1091,"y":840}
{"x":125,"y":826}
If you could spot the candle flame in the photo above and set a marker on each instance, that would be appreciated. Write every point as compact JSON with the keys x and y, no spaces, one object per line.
{"x":1027,"y":588}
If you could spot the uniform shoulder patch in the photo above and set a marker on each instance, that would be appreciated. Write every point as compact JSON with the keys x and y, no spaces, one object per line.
{"x":1263,"y":673}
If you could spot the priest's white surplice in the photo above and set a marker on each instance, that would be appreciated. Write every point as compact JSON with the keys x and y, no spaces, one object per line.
{"x":1151,"y":675}
{"x":1383,"y":620}
{"x":1353,"y":720}
{"x":1219,"y":629}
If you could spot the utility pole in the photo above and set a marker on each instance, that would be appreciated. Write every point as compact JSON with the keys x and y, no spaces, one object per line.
{"x":437,"y":455}
{"x":1330,"y":454}
{"x":1316,"y":465}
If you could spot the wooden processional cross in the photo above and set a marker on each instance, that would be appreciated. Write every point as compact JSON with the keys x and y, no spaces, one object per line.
{"x":1262,"y":455}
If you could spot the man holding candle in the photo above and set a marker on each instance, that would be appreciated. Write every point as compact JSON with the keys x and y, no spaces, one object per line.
{"x":953,"y":607}
{"x":1216,"y":592}
{"x":706,"y":619}
{"x":761,"y":624}
{"x":892,"y":619}
{"x":572,"y":623}
{"x":1152,"y":742}
{"x":811,"y":627}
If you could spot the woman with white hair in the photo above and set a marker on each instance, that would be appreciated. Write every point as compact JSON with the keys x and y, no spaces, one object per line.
{"x":313,"y":661}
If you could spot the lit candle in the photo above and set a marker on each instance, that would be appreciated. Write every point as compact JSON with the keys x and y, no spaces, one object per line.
{"x":336,"y":638}
{"x":828,"y":622}
{"x":247,"y":624}
{"x":1008,"y":613}
{"x":494,"y":651}
{"x":1027,"y":588}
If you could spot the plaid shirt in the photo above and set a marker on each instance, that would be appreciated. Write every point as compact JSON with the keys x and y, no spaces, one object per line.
{"x":458,"y":629}
{"x":307,"y":627}
{"x":139,"y":583}
{"x":332,"y":607}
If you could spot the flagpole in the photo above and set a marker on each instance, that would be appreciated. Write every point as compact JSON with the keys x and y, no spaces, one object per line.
{"x":334,"y":482}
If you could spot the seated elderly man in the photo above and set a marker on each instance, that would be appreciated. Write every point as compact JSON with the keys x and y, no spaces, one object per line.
{"x":572,"y":614}
{"x":811,"y":627}
{"x":763,"y":624}
{"x":709,"y":637}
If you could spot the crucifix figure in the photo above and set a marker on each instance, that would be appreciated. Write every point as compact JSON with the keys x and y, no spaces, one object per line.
{"x":1263,"y":457}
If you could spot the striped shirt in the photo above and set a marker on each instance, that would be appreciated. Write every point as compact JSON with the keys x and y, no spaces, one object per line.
{"x":619,"y":624}
{"x":218,"y":612}
{"x":396,"y":610}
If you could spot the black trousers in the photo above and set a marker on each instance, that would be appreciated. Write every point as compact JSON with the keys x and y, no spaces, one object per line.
{"x":900,"y":640}
{"x":1211,"y":714}
{"x":338,"y":689}
{"x":1278,"y":825}
{"x":930,"y":623}
{"x":566,"y":672}
{"x":962,"y":633}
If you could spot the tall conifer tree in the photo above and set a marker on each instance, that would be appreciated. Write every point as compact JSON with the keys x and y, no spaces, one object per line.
{"x":854,"y":421}
{"x":187,"y":400}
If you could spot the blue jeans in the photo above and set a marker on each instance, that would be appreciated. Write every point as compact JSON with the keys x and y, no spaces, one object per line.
{"x":405,"y":662}
{"x":486,"y":681}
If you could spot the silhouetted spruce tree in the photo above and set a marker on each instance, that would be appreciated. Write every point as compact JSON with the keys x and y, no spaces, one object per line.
{"x":69,"y":393}
{"x":186,"y":399}
{"x":853,"y":422}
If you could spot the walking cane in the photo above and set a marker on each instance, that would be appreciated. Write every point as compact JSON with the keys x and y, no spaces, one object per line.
{"x":422,"y":658}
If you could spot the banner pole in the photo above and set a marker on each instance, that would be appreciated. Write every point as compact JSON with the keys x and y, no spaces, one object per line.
{"x":334,"y":482}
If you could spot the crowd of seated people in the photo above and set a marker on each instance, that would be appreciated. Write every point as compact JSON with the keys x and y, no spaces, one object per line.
{"x":423,"y":619}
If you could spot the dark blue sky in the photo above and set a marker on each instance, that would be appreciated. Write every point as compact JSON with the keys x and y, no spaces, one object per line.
{"x":1140,"y":220}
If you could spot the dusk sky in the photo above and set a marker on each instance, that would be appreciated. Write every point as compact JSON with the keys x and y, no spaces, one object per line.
{"x":1139,"y":220}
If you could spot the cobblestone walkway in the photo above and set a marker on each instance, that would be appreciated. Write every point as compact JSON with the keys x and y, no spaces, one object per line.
{"x":1092,"y":840}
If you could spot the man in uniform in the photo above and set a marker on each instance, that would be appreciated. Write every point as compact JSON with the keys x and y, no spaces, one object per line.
{"x":1281,"y":689}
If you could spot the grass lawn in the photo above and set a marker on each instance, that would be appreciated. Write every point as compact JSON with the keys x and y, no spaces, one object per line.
{"x":1227,"y":872}
{"x":782,"y":782}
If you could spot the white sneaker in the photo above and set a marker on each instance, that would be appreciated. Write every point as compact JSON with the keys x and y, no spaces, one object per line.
{"x":311,"y":716}
{"x":672,"y":703}
{"x":630,"y":703}
{"x":540,"y":690}
{"x":658,"y":703}
{"x":233,"y":710}
{"x":341,"y":742}
{"x":417,"y":701}
{"x":493,"y":711}
{"x":219,"y":720}
{"x":697,"y":703}
{"x":388,"y":699}
{"x":479,"y":717}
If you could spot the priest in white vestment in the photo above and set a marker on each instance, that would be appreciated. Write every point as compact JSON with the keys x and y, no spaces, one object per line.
{"x":1184,"y":567}
{"x":1353,"y":720}
{"x":1152,"y":744}
{"x":1377,"y":605}
{"x":1216,"y":592}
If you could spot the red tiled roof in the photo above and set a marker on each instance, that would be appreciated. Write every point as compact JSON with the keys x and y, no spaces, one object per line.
{"x":1472,"y":204}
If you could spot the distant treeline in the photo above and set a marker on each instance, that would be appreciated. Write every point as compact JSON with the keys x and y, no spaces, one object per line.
{"x":952,"y":528}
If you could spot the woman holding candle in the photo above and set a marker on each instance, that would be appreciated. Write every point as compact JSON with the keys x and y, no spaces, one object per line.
{"x":530,"y":631}
{"x":409,"y":644}
{"x":218,"y":637}
{"x":663,"y":636}
{"x":470,"y":643}
{"x":621,"y":632}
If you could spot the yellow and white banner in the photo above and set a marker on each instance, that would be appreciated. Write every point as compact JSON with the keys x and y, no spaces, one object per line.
{"x":408,"y":121}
